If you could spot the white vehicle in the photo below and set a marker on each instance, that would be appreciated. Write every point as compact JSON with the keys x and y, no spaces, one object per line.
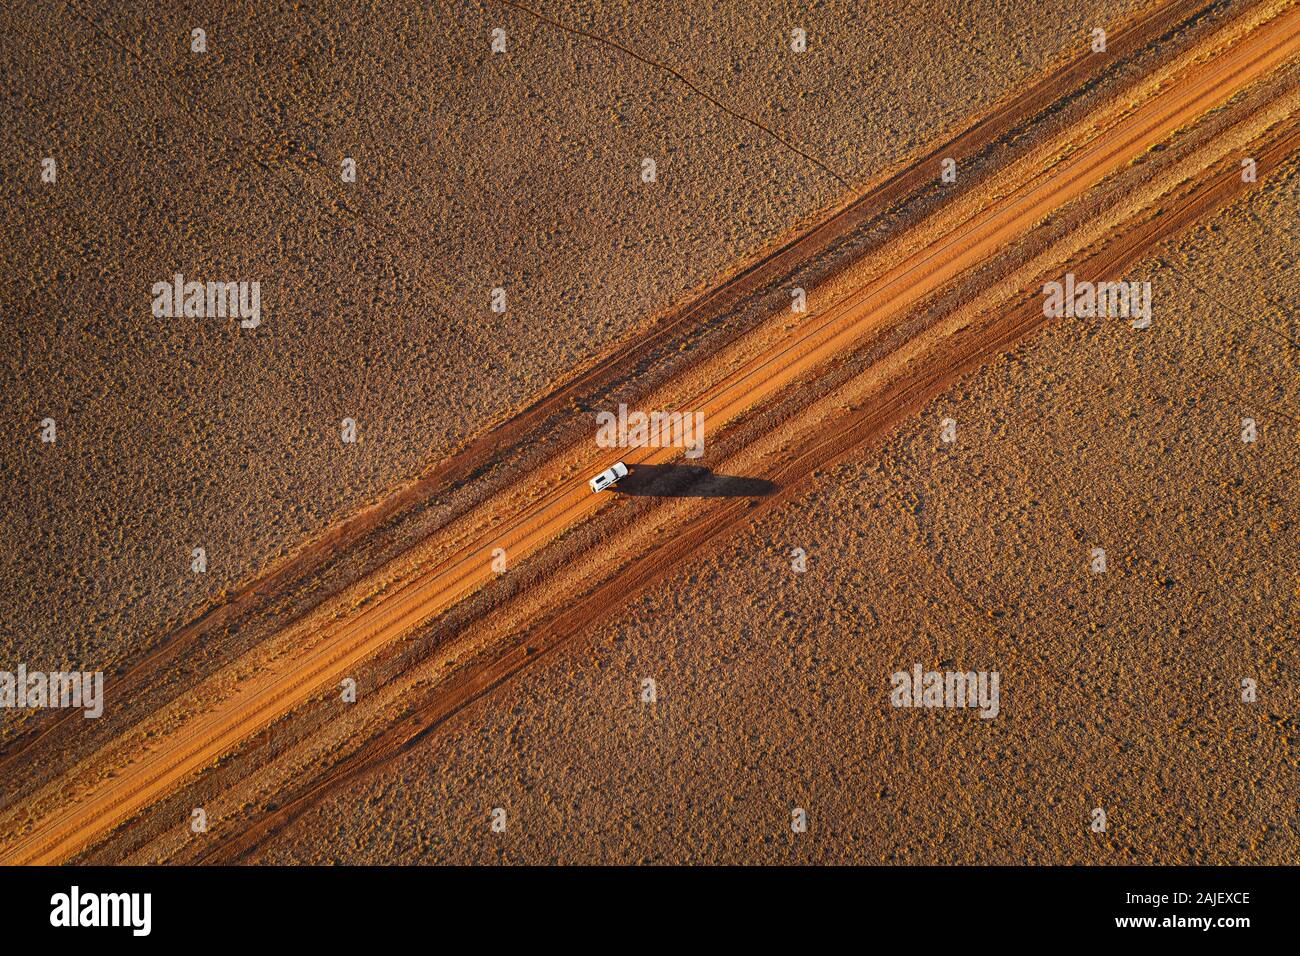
{"x":607,"y":477}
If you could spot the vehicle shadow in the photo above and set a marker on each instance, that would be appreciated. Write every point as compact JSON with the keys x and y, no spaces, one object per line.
{"x":689,"y":481}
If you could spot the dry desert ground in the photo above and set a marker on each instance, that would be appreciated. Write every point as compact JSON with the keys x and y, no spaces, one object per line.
{"x":338,"y":562}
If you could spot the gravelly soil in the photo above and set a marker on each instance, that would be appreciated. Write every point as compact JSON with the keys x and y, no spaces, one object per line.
{"x":1120,"y":691}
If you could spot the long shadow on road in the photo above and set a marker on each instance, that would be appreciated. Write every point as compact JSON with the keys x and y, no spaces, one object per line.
{"x":690,"y":481}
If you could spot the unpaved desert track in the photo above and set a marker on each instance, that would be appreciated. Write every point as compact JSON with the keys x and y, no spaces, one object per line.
{"x":862,"y":425}
{"x":154,"y":768}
